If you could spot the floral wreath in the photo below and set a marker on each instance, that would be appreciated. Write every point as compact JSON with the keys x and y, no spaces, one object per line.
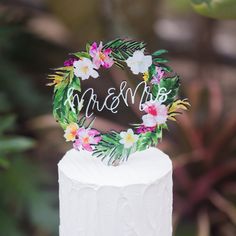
{"x":115,"y":146}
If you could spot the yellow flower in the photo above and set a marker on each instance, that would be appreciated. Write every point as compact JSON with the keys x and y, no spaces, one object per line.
{"x":71,"y":131}
{"x":145,"y":76}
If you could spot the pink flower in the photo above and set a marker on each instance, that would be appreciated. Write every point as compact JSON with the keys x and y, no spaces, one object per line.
{"x":156,"y":113}
{"x":100,"y":57}
{"x":143,"y":129}
{"x":86,"y":138}
{"x":158,"y":76}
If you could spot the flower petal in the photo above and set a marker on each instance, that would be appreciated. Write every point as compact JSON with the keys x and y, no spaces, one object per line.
{"x":94,"y":74}
{"x":149,"y":120}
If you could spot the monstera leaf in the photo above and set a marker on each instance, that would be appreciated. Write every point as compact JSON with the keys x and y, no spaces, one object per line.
{"x":218,"y":9}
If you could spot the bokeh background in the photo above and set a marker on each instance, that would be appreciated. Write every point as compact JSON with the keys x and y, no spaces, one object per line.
{"x":36,"y":35}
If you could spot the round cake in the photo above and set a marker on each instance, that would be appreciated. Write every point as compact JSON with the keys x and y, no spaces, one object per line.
{"x":132,"y":199}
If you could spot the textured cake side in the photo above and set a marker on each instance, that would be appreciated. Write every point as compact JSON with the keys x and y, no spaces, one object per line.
{"x":133,"y":210}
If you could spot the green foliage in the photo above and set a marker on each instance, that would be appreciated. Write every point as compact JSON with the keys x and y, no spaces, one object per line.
{"x":122,"y":49}
{"x":151,"y":72}
{"x":15,"y":144}
{"x":169,"y":83}
{"x":81,"y":54}
{"x":21,"y":199}
{"x":61,"y":109}
{"x":160,"y":60}
{"x":218,"y":9}
{"x":7,"y":122}
{"x":111,"y":148}
{"x":201,"y":1}
{"x":150,"y":139}
{"x":10,"y":143}
{"x":179,"y":7}
{"x":19,"y":187}
{"x":15,"y":69}
{"x":159,"y":52}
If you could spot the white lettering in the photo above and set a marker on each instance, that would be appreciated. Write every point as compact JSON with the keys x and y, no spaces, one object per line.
{"x":113,"y":100}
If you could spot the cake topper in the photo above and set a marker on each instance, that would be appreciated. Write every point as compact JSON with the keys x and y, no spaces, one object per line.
{"x":158,"y":102}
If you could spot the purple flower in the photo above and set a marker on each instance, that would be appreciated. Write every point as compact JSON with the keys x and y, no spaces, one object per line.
{"x":143,"y":129}
{"x":158,"y":76}
{"x":70,"y":61}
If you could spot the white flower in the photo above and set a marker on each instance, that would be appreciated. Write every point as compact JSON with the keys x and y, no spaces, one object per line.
{"x":139,"y":63}
{"x":84,"y":68}
{"x":149,"y":120}
{"x":128,"y":138}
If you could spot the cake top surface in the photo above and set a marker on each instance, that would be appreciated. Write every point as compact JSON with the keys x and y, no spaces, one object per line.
{"x":143,"y":167}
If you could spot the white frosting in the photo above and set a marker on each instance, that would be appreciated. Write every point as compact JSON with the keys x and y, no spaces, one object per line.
{"x":133,"y":199}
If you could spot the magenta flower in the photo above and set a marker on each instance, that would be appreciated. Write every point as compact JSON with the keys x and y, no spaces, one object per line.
{"x":100,"y":57}
{"x":70,"y":61}
{"x":157,"y":113}
{"x":143,"y":129}
{"x":86,"y":138}
{"x":158,"y":76}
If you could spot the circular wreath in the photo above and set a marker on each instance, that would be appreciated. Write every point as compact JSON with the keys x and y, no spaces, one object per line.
{"x":114,"y":146}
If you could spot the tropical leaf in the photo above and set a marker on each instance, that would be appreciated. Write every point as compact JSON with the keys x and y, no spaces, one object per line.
{"x":149,"y":139}
{"x":170,"y":84}
{"x":62,"y":110}
{"x":144,"y":141}
{"x":175,"y":107}
{"x":165,"y":68}
{"x":160,"y":60}
{"x":111,"y":149}
{"x":159,"y":52}
{"x":81,"y":54}
{"x":122,"y":49}
{"x":151,"y":71}
{"x":75,"y":83}
{"x":87,"y":47}
{"x":15,"y":144}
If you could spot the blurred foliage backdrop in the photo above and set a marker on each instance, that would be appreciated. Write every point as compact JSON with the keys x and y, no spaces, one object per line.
{"x":38,"y":34}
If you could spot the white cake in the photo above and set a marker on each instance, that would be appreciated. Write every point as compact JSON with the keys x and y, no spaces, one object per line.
{"x":133,"y":199}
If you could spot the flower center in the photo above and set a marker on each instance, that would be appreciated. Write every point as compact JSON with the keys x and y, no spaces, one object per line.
{"x":129,"y":138}
{"x":86,"y":139}
{"x":73,"y":132}
{"x":85,"y":69}
{"x":102,"y":56}
{"x":145,"y":76}
{"x":152,"y":110}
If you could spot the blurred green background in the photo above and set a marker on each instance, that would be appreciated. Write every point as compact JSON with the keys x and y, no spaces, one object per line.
{"x":36,"y":35}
